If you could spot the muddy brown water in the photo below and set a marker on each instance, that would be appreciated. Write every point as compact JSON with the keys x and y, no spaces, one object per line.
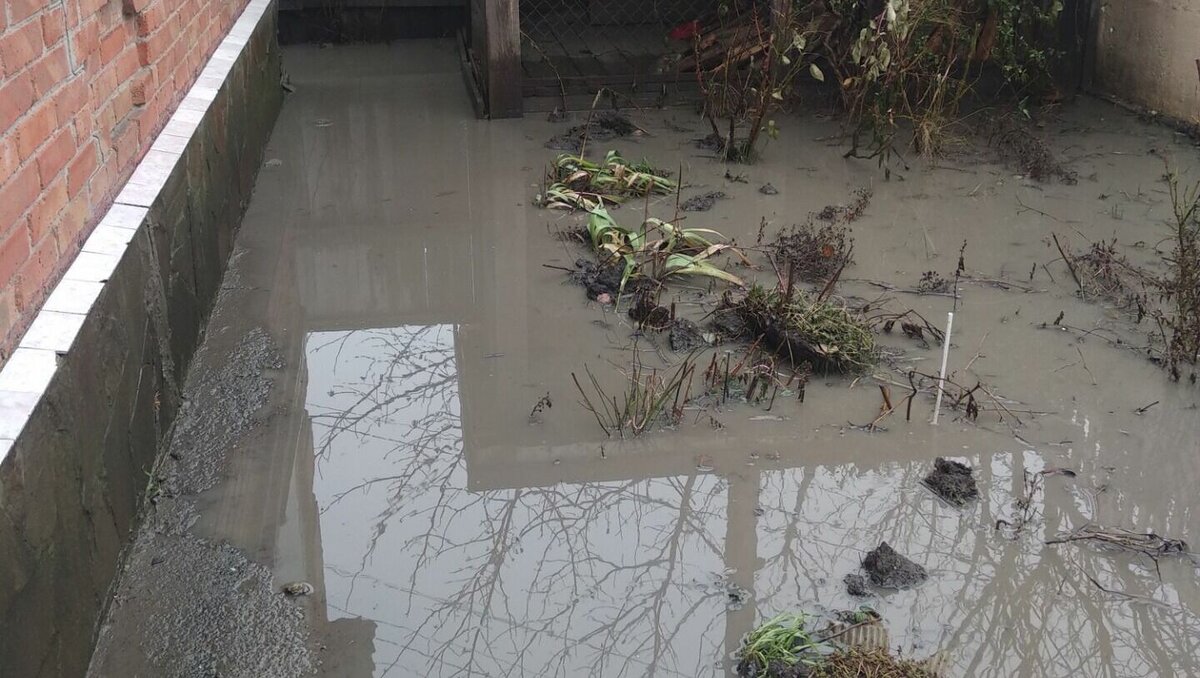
{"x":393,"y":252}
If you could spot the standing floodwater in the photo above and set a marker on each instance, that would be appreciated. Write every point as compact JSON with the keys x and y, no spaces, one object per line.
{"x":423,"y":464}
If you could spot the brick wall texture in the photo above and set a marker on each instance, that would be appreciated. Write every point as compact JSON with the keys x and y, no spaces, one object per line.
{"x":85,"y":85}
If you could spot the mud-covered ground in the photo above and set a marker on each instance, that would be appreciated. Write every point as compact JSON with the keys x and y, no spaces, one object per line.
{"x":362,"y":418}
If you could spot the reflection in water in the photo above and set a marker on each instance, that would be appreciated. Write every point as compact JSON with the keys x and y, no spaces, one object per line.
{"x":631,"y":578}
{"x":607,"y":579}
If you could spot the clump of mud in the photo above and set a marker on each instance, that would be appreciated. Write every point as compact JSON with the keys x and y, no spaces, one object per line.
{"x":727,"y":324}
{"x":768,"y":189}
{"x":952,"y":481}
{"x":856,"y":585}
{"x":604,"y":126}
{"x":889,"y":570}
{"x":703,"y":202}
{"x":1018,"y":146}
{"x":648,"y":314}
{"x":849,"y":212}
{"x":685,"y":336}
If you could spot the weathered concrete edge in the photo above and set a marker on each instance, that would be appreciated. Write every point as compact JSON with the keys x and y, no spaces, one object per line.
{"x":89,"y":394}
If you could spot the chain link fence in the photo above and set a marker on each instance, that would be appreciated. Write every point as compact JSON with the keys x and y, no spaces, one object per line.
{"x":618,"y":40}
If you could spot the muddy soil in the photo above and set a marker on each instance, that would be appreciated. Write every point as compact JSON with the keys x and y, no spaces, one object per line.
{"x":953,"y":481}
{"x":890,"y":570}
{"x":395,"y":260}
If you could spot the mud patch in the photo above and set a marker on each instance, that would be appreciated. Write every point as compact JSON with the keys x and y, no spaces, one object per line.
{"x":703,"y":202}
{"x":889,"y":570}
{"x":218,"y":408}
{"x":768,"y":189}
{"x":685,"y":336}
{"x":604,"y":126}
{"x":213,"y":612}
{"x":952,"y":481}
{"x":856,"y":585}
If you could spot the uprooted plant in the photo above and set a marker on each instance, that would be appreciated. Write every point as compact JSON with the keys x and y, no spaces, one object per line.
{"x":787,"y":646}
{"x":576,"y":183}
{"x":820,"y":330}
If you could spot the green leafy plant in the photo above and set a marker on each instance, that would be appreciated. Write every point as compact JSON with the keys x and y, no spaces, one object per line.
{"x":659,"y":249}
{"x":780,"y":640}
{"x":576,"y":183}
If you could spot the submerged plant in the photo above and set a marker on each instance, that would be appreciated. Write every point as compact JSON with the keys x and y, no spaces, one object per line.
{"x":576,"y":183}
{"x":649,"y":399}
{"x":658,"y":249}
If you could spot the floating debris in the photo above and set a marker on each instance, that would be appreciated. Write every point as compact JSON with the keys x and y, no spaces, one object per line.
{"x":828,"y":335}
{"x":686,"y":336}
{"x":768,"y":189}
{"x":952,"y":481}
{"x":703,"y":202}
{"x":890,"y":570}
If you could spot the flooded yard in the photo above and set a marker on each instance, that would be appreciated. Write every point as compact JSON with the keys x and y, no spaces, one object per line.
{"x":422,"y":461}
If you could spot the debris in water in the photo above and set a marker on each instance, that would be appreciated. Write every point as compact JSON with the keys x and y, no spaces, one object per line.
{"x":544,"y":403}
{"x":685,"y":336}
{"x":298,"y":588}
{"x":890,"y":570}
{"x":826,"y":334}
{"x":768,"y":189}
{"x":1149,"y":544}
{"x":856,"y":585}
{"x":604,"y":126}
{"x":952,"y":481}
{"x":813,"y":253}
{"x":702,"y":202}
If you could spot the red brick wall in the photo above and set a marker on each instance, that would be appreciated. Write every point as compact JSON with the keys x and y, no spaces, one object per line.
{"x":84,"y":87}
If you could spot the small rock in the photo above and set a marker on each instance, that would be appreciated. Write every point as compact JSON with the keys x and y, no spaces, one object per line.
{"x":298,"y":588}
{"x":890,"y":570}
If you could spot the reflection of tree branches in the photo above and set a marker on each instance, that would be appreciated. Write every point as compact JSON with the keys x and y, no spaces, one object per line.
{"x":609,"y":566}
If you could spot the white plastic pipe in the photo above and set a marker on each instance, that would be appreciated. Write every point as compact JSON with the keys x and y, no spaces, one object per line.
{"x":937,"y":407}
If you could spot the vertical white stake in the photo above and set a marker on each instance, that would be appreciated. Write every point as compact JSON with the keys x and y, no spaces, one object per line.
{"x":937,"y":407}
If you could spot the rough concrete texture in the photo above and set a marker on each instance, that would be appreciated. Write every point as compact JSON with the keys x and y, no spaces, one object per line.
{"x":233,"y":393}
{"x":215,"y":614}
{"x":1146,"y":53}
{"x":191,"y":606}
{"x":71,"y":488}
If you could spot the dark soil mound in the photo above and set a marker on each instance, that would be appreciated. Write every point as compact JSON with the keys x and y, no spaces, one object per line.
{"x":598,"y":279}
{"x":776,"y":669}
{"x":952,"y":481}
{"x":604,"y":126}
{"x":890,"y":570}
{"x":856,"y":585}
{"x":703,"y":202}
{"x":768,"y":189}
{"x":729,"y":325}
{"x":685,"y":336}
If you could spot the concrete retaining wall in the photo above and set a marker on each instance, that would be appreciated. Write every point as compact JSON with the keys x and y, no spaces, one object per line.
{"x":1146,"y":53}
{"x":94,"y":385}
